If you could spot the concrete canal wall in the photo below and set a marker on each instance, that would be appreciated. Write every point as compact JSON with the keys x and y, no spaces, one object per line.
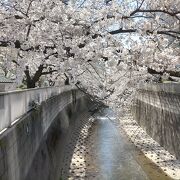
{"x":156,"y":108}
{"x":32,"y":148}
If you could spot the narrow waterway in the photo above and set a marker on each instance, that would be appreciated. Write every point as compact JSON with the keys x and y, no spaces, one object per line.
{"x":103,"y":152}
{"x":115,"y":156}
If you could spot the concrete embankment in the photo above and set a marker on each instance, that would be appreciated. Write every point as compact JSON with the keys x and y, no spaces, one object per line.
{"x":154,"y":126}
{"x":157,"y":111}
{"x":33,"y":148}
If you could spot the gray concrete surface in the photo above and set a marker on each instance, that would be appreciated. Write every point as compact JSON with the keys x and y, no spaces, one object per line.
{"x":32,"y":149}
{"x":156,"y":108}
{"x":14,"y":104}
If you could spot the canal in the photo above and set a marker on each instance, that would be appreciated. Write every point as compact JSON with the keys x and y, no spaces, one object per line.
{"x":103,"y":152}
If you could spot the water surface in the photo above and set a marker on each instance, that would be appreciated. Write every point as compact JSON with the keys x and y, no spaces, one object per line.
{"x":115,"y":155}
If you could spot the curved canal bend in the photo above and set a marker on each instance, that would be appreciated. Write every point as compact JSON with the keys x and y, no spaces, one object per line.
{"x":103,"y":152}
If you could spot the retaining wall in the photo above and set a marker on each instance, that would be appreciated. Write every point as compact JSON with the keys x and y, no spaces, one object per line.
{"x":157,"y":109}
{"x":14,"y":104}
{"x":33,"y":147}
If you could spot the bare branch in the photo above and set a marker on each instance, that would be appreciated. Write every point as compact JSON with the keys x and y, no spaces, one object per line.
{"x":18,"y":10}
{"x":131,"y":17}
{"x":48,"y":72}
{"x":29,"y":7}
{"x":122,"y":31}
{"x":171,"y":73}
{"x":141,"y":4}
{"x":14,"y":61}
{"x":53,"y":54}
{"x":156,"y":11}
{"x":169,"y":33}
{"x":28,"y":31}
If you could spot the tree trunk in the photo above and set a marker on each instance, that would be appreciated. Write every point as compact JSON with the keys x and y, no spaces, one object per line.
{"x":31,"y":84}
{"x":29,"y":81}
{"x":67,"y":80}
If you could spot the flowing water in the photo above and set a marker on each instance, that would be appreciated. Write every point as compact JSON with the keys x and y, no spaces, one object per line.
{"x":114,"y":155}
{"x":105,"y":153}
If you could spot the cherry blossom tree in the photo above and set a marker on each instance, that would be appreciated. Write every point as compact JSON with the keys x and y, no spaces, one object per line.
{"x":102,"y":46}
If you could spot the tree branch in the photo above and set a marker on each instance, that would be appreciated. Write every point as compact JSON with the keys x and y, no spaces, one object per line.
{"x":29,"y":7}
{"x":131,"y":17}
{"x":156,"y":11}
{"x":169,"y":33}
{"x":26,"y":71}
{"x":171,"y":73}
{"x":18,"y":10}
{"x":38,"y":73}
{"x":122,"y":31}
{"x":5,"y":43}
{"x":53,"y":54}
{"x":14,"y":61}
{"x":28,"y":32}
{"x":48,"y":72}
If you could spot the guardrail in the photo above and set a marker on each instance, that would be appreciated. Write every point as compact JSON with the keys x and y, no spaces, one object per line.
{"x":14,"y":104}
